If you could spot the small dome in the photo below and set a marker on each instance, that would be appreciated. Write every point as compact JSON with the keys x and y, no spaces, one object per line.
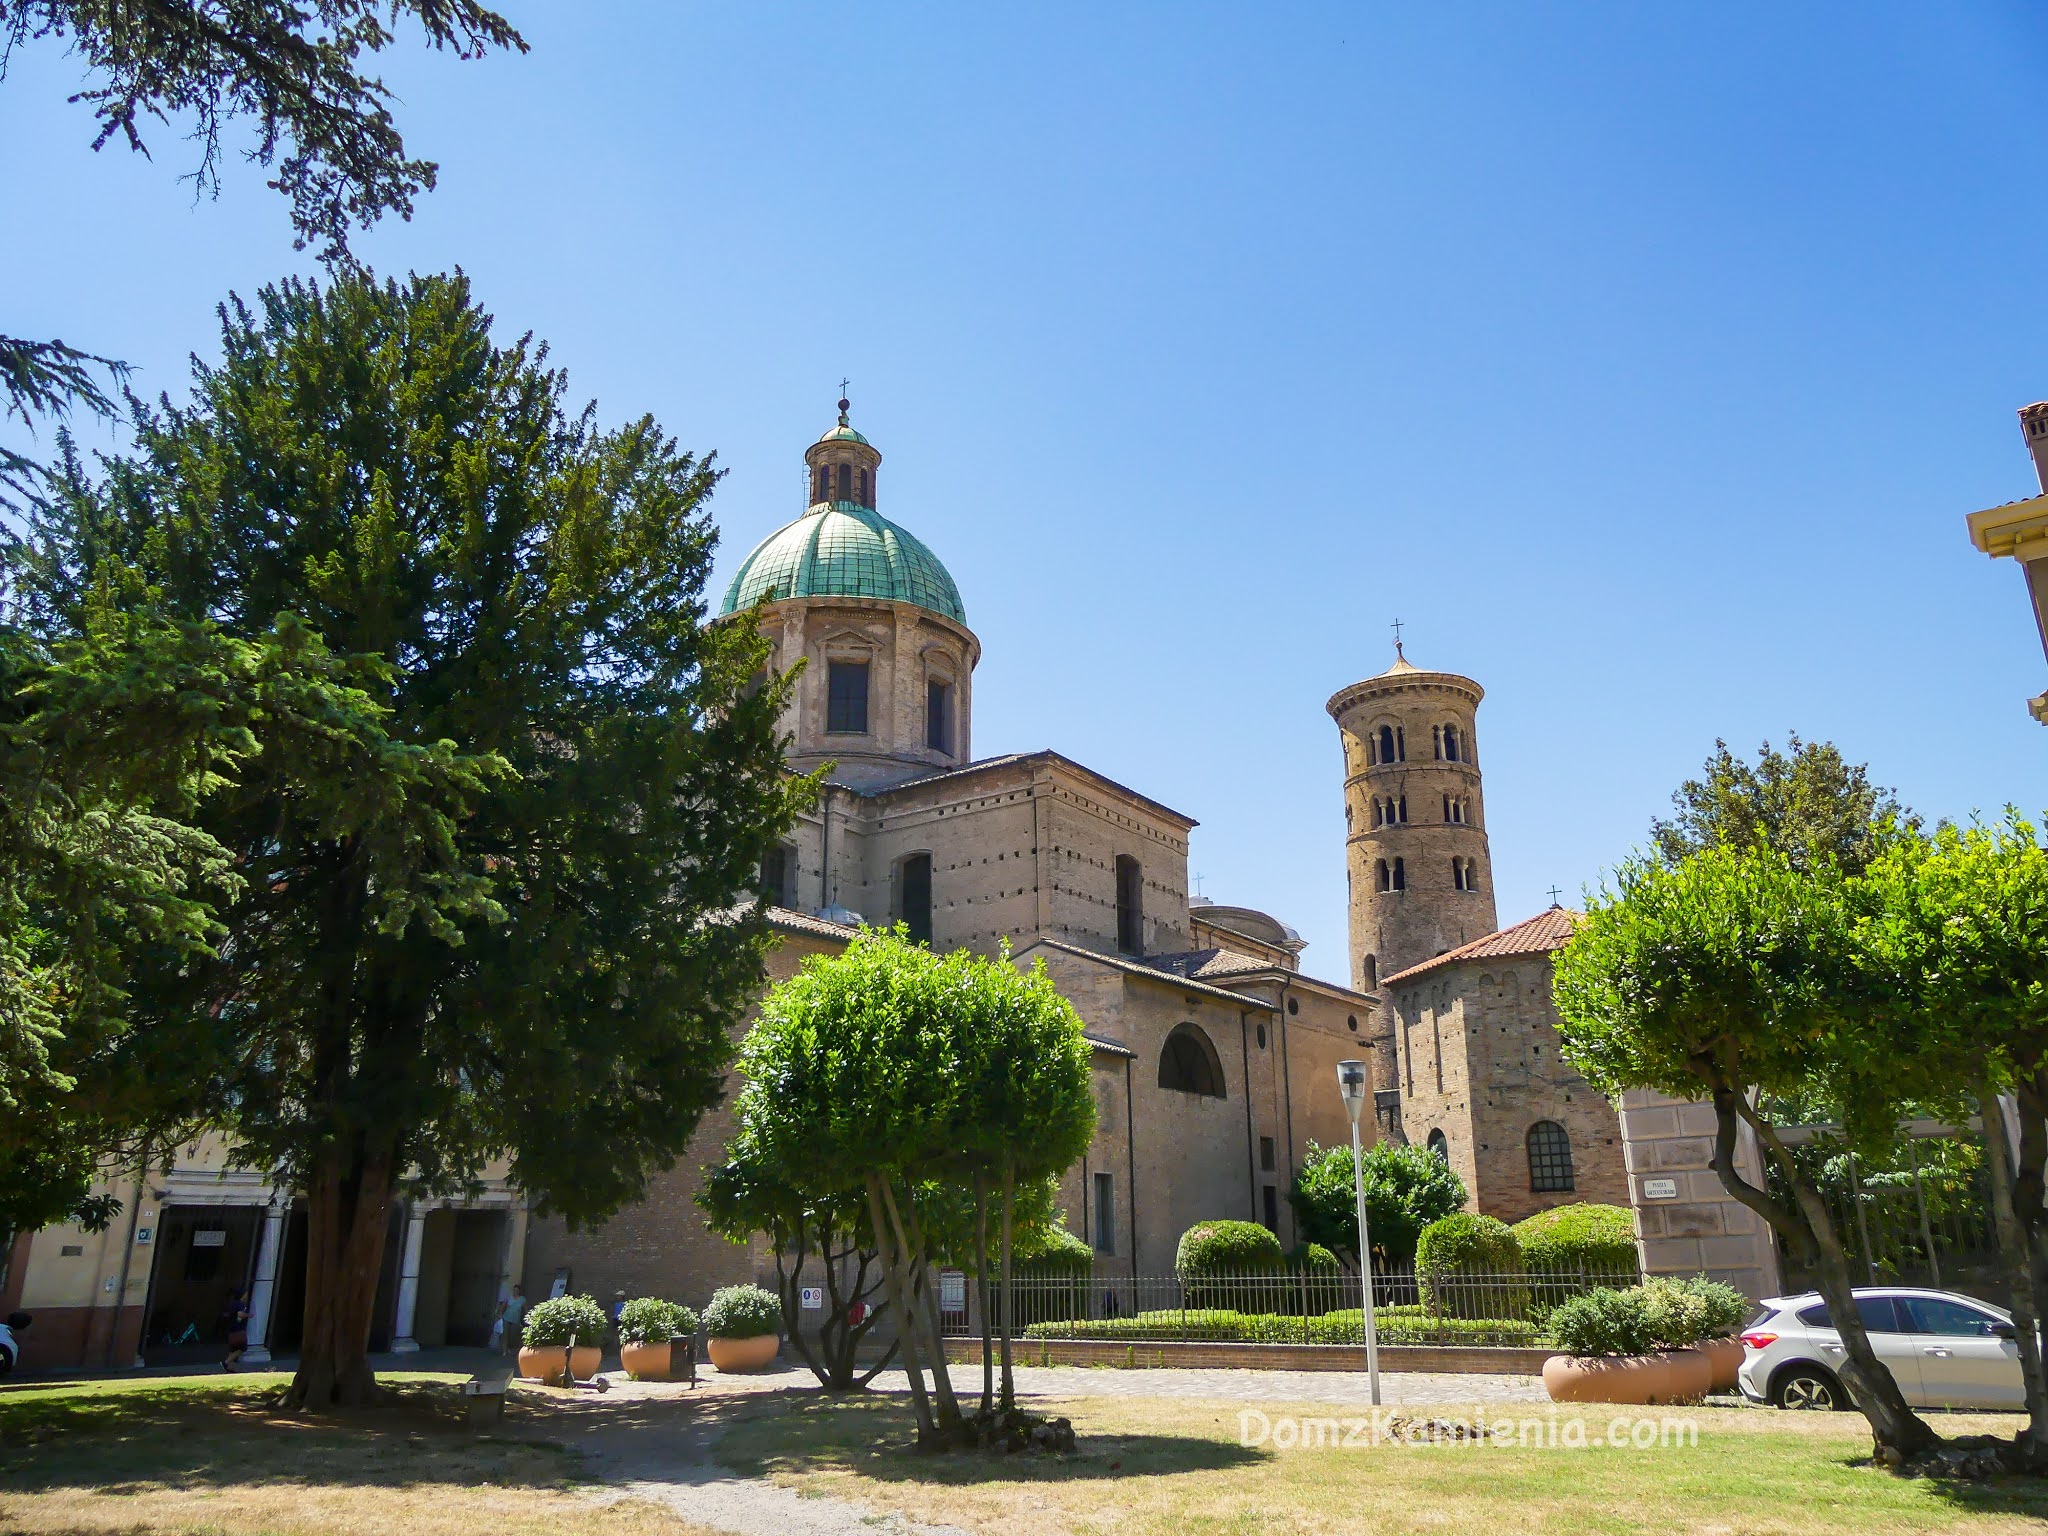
{"x":844,"y":434}
{"x":842,"y":549}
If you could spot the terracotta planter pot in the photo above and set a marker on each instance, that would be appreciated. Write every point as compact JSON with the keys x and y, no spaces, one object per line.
{"x":545,"y":1362}
{"x":743,"y":1354}
{"x":646,"y":1362}
{"x":1725,"y":1356}
{"x":1670,"y":1376}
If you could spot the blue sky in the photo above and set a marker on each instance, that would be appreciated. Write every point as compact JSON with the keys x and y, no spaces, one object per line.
{"x":1645,"y":360}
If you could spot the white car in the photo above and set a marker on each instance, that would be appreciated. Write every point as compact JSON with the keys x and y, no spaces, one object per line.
{"x":1944,"y":1350}
{"x":10,"y":1347}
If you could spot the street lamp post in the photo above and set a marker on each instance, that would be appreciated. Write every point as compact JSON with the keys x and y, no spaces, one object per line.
{"x":1351,"y":1079}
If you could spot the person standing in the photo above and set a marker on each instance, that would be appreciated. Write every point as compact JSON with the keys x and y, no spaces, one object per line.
{"x":236,"y":1315}
{"x":505,"y":1327}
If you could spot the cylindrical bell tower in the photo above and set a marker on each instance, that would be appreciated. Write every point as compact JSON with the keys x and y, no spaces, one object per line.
{"x":1421,"y":875}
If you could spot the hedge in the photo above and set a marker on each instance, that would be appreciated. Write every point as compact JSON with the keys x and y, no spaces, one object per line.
{"x":1397,"y":1325}
{"x":1227,"y":1265}
{"x":561,"y":1318}
{"x":1599,"y":1239}
{"x":743,"y":1312}
{"x":1470,"y":1266}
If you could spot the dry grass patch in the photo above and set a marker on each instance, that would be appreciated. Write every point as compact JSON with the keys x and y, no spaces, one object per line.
{"x":206,"y":1454}
{"x":1178,"y":1469}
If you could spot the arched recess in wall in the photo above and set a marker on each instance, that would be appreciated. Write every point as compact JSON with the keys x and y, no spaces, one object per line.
{"x":1440,"y":1144}
{"x":1188,"y":1063}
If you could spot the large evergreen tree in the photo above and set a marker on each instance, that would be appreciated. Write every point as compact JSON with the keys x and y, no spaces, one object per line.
{"x":518,"y":922}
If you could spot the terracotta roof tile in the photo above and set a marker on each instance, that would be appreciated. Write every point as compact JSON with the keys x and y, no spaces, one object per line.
{"x":1539,"y":935}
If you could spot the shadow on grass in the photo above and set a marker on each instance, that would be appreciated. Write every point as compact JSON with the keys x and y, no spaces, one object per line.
{"x":221,"y":1433}
{"x":874,"y":1437}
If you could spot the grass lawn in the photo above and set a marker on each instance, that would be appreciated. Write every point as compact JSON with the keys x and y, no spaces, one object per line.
{"x":1178,"y":1468}
{"x":204,"y":1454}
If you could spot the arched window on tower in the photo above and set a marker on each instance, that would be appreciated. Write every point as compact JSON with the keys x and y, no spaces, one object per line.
{"x":824,"y":483}
{"x":846,"y":482}
{"x":1130,"y":905}
{"x":1400,"y":875}
{"x":1550,"y":1158}
{"x":1189,"y":1063}
{"x":1372,"y":973}
{"x":1387,"y":744}
{"x":1439,"y":1146}
{"x":866,"y":499}
{"x":1401,"y":808}
{"x":1386,"y":875}
{"x":1377,"y":818}
{"x":1461,"y":877}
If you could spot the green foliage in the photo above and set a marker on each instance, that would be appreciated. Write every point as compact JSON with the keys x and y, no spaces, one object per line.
{"x":498,"y":897}
{"x":649,"y":1320}
{"x":1395,"y":1325}
{"x":1604,"y":1322}
{"x":1571,"y":1242}
{"x":1226,"y":1248}
{"x":1584,"y":1235}
{"x":1678,"y":1315}
{"x":1229,"y":1264}
{"x":1726,"y":1308}
{"x":1050,"y":1250}
{"x":1406,"y":1188}
{"x":742,"y":1312}
{"x":299,"y":78}
{"x":1312,"y":1258}
{"x":1470,"y":1266}
{"x":561,"y":1318}
{"x":1807,"y":803}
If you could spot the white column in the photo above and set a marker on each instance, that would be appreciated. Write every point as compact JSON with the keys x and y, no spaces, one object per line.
{"x":409,"y":1282}
{"x":261,"y":1293}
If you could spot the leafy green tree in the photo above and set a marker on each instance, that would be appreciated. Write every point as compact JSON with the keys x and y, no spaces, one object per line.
{"x":899,"y":1075}
{"x":109,"y":738}
{"x":516,"y":920}
{"x":1406,"y":1188}
{"x":1819,"y":810}
{"x":751,"y":1192}
{"x":291,"y":67}
{"x":1954,"y":935}
{"x":1732,"y":975}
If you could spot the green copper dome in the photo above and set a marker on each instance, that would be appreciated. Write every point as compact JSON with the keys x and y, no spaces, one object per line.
{"x":842,"y":549}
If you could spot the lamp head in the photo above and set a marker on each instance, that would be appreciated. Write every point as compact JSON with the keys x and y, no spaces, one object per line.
{"x":1351,"y":1079}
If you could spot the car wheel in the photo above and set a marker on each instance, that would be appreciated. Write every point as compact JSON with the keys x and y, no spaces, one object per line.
{"x":1808,"y":1387}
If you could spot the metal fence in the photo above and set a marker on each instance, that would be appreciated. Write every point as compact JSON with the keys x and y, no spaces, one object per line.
{"x":1920,"y":1214}
{"x":1464,"y":1307}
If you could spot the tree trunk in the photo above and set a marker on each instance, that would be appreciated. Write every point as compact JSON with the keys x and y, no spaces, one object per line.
{"x":348,"y":1211}
{"x":942,"y":1374}
{"x":2030,"y":1202}
{"x":788,"y":1288}
{"x":988,"y":1362}
{"x":1894,"y":1427}
{"x":1009,"y":1203}
{"x":2013,"y":1250}
{"x":899,"y":1298}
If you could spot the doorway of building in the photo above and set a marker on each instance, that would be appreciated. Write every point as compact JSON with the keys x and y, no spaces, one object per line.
{"x":462,"y":1254}
{"x":203,"y":1257}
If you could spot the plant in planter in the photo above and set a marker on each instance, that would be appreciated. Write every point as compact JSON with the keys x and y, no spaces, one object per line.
{"x":743,"y":1325}
{"x":1701,"y":1314}
{"x":550,"y":1327}
{"x":645,"y":1328}
{"x":1226,"y":1264}
{"x":1611,"y":1349}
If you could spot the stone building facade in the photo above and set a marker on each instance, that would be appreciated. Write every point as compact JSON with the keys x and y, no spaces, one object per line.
{"x":1483,"y":1079}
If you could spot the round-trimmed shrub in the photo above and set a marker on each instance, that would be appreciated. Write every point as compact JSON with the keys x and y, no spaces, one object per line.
{"x":1226,"y":1248}
{"x":1582,"y":1238}
{"x":1319,"y":1280}
{"x":1677,"y":1313}
{"x":742,"y":1312}
{"x":1604,"y":1322}
{"x":1050,"y":1250}
{"x":650,"y":1320}
{"x":1053,"y":1268}
{"x":1235,"y":1265}
{"x":561,"y":1318}
{"x":1470,"y":1266}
